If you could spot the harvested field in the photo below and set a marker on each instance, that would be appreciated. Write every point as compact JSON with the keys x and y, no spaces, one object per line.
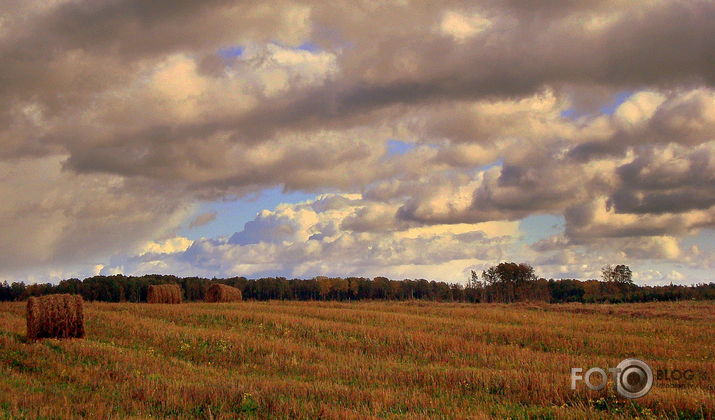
{"x":356,"y":360}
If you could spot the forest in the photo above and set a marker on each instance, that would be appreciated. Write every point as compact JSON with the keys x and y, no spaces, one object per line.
{"x":506,"y":282}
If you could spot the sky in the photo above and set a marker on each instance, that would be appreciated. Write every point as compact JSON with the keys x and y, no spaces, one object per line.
{"x":402,"y":138}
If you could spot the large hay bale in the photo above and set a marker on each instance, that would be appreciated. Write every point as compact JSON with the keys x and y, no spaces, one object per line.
{"x":218,"y":292}
{"x":55,"y":316}
{"x":164,"y":293}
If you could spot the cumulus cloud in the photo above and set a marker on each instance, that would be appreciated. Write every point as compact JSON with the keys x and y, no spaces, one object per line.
{"x":686,"y":118}
{"x":168,"y":246}
{"x":313,"y":238}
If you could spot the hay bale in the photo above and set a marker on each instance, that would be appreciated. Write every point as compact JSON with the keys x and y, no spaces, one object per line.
{"x":55,"y":316}
{"x":218,"y":292}
{"x":164,"y":293}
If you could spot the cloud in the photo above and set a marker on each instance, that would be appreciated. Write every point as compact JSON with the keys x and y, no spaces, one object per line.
{"x":203,"y":219}
{"x":668,"y":179}
{"x":686,"y":118}
{"x":597,"y":219}
{"x":656,"y":277}
{"x":117,"y":117}
{"x":309,"y":239}
{"x":169,"y":246}
{"x":462,"y":26}
{"x":56,"y":216}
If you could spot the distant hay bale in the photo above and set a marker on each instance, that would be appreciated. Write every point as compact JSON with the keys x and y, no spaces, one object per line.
{"x":55,"y":316}
{"x":218,"y":292}
{"x":164,"y":293}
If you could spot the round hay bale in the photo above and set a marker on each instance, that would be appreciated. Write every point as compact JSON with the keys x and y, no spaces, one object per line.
{"x":55,"y":316}
{"x":218,"y":292}
{"x":164,"y":293}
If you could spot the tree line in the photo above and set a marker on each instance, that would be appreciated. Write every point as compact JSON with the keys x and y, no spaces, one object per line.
{"x":506,"y":282}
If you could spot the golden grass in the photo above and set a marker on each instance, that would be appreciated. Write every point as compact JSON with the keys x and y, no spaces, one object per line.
{"x":356,"y":360}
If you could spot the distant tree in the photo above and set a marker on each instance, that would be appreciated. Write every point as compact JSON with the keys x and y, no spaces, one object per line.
{"x":506,"y":282}
{"x":5,"y":292}
{"x":458,"y":292}
{"x":509,"y":273}
{"x":423,"y":289}
{"x":18,"y":290}
{"x":341,"y":287}
{"x":353,"y":287}
{"x":380,"y":288}
{"x":396,"y":290}
{"x":408,"y":288}
{"x":473,"y":281}
{"x":503,"y":282}
{"x":442,"y":291}
{"x":592,"y":291}
{"x":620,"y":274}
{"x":566,"y":290}
{"x":71,"y":286}
{"x":325,"y":284}
{"x":474,"y":290}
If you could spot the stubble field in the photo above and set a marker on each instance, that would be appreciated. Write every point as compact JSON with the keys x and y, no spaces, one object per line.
{"x":356,"y":360}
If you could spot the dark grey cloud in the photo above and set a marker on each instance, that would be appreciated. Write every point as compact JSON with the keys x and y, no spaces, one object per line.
{"x":670,"y":179}
{"x":661,"y":44}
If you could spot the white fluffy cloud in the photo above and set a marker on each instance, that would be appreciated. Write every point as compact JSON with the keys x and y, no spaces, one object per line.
{"x":312,"y":237}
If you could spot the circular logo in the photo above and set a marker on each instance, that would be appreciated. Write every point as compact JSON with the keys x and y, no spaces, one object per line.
{"x":634,"y":378}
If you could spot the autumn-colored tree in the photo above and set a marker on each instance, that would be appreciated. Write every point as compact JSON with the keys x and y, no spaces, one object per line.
{"x":621,"y":274}
{"x":325,"y":285}
{"x":502,"y":281}
{"x":506,"y":282}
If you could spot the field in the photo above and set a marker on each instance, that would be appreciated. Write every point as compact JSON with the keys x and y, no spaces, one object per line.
{"x":356,"y":360}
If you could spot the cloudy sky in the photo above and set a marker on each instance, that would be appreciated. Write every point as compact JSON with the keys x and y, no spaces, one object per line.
{"x":405,"y":138}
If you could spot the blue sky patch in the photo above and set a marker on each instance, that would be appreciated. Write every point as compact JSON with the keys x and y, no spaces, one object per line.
{"x":232,"y":52}
{"x":308,"y":46}
{"x":232,"y":215}
{"x":607,"y":109}
{"x":618,"y":99}
{"x":398,"y":147}
{"x":540,"y":226}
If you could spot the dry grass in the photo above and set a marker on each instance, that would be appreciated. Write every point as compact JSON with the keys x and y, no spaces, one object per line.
{"x":218,"y":292}
{"x":355,"y":360}
{"x":164,"y":293}
{"x":55,"y":316}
